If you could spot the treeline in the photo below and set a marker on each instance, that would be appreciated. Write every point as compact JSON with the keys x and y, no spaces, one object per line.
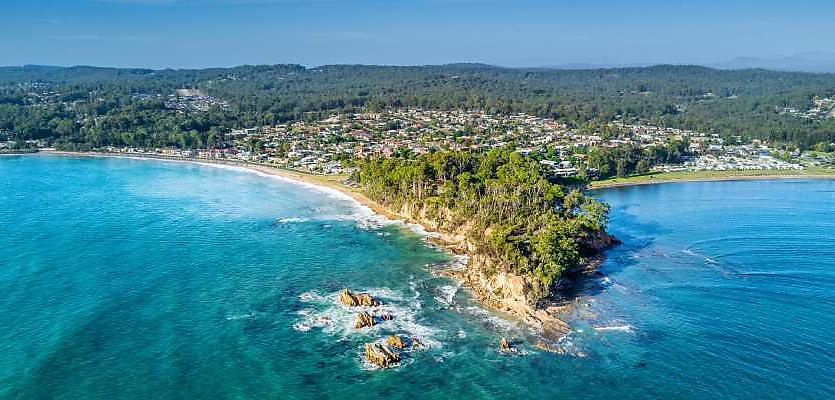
{"x":504,"y":203}
{"x":730,"y":103}
{"x":608,"y":162}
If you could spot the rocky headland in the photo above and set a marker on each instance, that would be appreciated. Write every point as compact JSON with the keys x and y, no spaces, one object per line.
{"x":506,"y":292}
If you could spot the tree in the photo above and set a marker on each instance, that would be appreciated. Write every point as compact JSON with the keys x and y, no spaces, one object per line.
{"x":642,"y":167}
{"x":502,"y":202}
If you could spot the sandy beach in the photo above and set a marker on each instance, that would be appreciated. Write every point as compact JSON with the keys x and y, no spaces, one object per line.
{"x":333,"y":182}
{"x":336,"y":182}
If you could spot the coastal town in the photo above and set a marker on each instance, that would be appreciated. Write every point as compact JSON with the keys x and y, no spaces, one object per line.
{"x":419,"y":200}
{"x":328,"y":145}
{"x":821,"y":108}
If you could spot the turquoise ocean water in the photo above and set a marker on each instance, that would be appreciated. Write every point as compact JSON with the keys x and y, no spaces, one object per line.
{"x":136,"y":279}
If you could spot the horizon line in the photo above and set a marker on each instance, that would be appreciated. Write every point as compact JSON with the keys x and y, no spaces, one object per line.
{"x":563,"y":67}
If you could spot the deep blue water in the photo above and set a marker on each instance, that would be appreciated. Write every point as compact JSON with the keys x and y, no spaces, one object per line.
{"x":132,"y":279}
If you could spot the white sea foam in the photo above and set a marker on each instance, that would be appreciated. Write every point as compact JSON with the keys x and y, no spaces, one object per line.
{"x":362,"y":210}
{"x":459,"y":262}
{"x":415,"y":300}
{"x":329,"y":315}
{"x":365,"y":217}
{"x":491,"y":321}
{"x":292,"y":220}
{"x":332,"y":317}
{"x":571,"y":343}
{"x":615,"y":328}
{"x":406,"y":355}
{"x":236,"y":317}
{"x":419,"y":229}
{"x":447,"y":295}
{"x":310,"y":297}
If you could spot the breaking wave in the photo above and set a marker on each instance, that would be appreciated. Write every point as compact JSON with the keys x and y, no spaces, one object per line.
{"x":326,"y":313}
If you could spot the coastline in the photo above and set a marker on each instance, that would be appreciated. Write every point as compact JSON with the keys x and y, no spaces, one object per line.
{"x":332,"y":182}
{"x":533,"y":316}
{"x":548,"y":324}
{"x":696,"y":177}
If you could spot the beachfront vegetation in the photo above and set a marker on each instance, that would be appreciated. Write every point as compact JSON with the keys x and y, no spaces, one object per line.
{"x":504,"y":204}
{"x":626,"y":160}
{"x":686,"y":176}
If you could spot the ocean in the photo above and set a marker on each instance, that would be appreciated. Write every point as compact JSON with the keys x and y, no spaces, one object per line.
{"x":138,"y":279}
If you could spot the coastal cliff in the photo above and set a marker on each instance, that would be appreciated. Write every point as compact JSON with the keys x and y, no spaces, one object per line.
{"x":496,"y":287}
{"x":524,"y":233}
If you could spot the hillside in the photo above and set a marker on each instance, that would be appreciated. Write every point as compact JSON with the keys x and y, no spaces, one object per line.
{"x":93,"y":105}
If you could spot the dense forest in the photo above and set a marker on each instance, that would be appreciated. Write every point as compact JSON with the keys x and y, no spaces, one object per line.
{"x":506,"y":205}
{"x":89,"y":106}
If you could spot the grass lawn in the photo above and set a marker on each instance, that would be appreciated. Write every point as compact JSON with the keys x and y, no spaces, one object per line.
{"x":812,"y":172}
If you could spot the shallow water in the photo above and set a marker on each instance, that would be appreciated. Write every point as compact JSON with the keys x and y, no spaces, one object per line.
{"x":142,"y":279}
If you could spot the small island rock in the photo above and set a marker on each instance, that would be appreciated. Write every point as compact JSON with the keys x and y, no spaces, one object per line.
{"x":550,"y":347}
{"x":396,"y":341}
{"x":364,"y":320}
{"x":381,"y":355}
{"x":387,"y":317}
{"x":350,"y":299}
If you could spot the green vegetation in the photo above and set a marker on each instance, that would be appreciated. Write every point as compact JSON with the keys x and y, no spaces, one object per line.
{"x":629,"y":160}
{"x":505,"y":205}
{"x":684,"y":176}
{"x":83,"y":107}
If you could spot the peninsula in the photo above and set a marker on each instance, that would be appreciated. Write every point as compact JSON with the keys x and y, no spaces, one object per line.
{"x":524,"y":234}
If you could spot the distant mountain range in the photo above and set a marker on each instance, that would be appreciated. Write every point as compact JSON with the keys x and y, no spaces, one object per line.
{"x":814,"y":62}
{"x":589,"y":66}
{"x":803,"y":62}
{"x":818,"y":62}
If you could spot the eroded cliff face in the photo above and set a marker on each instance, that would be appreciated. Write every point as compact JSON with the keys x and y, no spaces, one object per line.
{"x":512,"y":294}
{"x":500,"y":290}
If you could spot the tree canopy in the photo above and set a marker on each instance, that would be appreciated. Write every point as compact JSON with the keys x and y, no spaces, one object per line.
{"x":92,"y":106}
{"x":505,"y":204}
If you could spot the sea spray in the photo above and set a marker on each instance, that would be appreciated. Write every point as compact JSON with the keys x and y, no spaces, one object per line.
{"x":327,"y":313}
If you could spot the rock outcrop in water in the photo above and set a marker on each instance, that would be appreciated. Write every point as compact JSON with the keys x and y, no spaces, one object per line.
{"x":364,"y":320}
{"x":504,"y":345}
{"x":350,"y":299}
{"x":550,"y":347}
{"x":396,"y":342}
{"x":522,"y":230}
{"x":381,"y":355}
{"x":505,"y":291}
{"x":513,"y":294}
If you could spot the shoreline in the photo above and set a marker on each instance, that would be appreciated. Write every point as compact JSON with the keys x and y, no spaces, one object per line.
{"x":335,"y":183}
{"x":611,"y":184}
{"x":331,"y":182}
{"x":548,"y":326}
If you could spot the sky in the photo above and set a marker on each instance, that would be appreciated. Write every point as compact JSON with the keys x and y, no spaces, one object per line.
{"x":529,"y":33}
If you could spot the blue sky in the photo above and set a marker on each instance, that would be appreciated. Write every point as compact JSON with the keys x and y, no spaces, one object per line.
{"x":201,"y":33}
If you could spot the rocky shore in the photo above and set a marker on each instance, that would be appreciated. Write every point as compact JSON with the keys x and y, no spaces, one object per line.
{"x":505,"y":292}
